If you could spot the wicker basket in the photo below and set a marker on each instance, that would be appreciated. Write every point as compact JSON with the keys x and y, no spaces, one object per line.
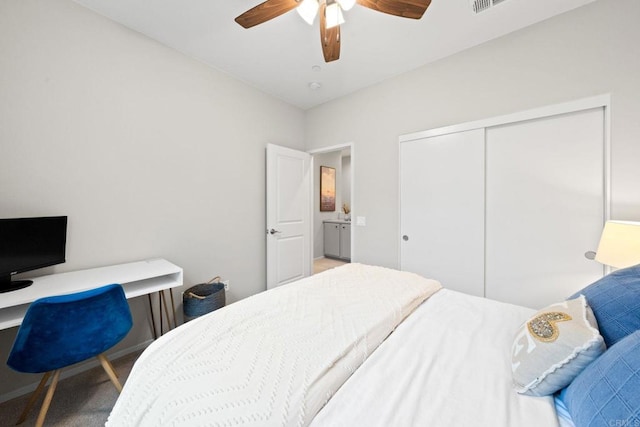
{"x":203,"y":298}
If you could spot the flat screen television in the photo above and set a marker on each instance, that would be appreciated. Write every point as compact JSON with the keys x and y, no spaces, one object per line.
{"x":30,"y":243}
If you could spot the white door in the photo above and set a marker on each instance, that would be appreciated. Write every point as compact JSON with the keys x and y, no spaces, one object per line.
{"x":545,"y":207}
{"x":442,"y":209}
{"x":288,"y":215}
{"x":522,"y":211}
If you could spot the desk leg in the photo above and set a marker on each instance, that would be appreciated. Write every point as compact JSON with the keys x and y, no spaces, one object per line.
{"x":153,"y":318}
{"x":160,"y":294}
{"x":166,"y":311}
{"x":170,"y":313}
{"x":170,"y":317}
{"x":173,"y":309}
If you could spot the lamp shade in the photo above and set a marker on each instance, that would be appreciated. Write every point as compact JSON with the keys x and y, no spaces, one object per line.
{"x":346,"y":4}
{"x":619,"y":244}
{"x":334,"y":15}
{"x":308,"y":10}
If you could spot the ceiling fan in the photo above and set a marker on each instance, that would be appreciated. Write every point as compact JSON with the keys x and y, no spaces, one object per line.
{"x":331,"y":16}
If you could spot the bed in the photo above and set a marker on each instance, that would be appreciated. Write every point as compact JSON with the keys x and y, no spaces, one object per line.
{"x":353,"y":346}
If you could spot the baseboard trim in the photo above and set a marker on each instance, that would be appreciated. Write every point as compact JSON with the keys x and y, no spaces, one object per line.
{"x":76,"y":369}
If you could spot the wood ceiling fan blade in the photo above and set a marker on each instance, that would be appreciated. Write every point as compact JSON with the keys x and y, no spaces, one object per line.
{"x":413,"y":9}
{"x":329,"y":37}
{"x":265,"y":11}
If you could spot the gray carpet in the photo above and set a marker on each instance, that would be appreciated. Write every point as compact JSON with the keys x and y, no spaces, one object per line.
{"x":84,"y":400}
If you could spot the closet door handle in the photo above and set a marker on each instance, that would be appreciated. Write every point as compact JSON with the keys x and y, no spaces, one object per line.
{"x":405,"y":237}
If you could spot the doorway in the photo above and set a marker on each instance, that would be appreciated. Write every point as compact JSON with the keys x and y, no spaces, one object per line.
{"x":332,"y":234}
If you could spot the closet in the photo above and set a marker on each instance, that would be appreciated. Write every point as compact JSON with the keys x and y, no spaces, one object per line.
{"x":506,"y":208}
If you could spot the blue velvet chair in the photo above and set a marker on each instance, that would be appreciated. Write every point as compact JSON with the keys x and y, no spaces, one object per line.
{"x":62,"y":330}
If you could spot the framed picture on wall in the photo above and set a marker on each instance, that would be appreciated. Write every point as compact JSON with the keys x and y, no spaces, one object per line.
{"x":327,"y":189}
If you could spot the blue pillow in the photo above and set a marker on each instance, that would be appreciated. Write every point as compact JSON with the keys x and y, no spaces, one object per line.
{"x":615,"y":301}
{"x":607,"y":392}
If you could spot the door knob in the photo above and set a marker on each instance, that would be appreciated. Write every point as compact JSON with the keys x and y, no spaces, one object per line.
{"x":273,"y":231}
{"x":405,"y":237}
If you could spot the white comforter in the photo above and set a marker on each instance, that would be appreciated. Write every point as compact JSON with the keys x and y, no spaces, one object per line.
{"x":272,"y":359}
{"x":448,"y":364}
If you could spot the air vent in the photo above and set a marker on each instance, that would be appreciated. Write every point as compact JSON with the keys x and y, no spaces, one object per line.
{"x":480,"y":5}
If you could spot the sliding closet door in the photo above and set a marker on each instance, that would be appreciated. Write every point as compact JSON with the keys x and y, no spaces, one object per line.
{"x":442,"y":209}
{"x":544,"y":207}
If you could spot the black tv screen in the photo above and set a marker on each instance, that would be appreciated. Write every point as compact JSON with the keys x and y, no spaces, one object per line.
{"x":30,"y":243}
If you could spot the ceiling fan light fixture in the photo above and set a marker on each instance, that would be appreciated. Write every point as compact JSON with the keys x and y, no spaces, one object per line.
{"x":346,"y":4}
{"x":331,"y":17}
{"x":334,"y":16}
{"x":308,"y":9}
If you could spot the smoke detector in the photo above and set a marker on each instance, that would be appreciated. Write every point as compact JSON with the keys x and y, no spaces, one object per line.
{"x":480,"y":5}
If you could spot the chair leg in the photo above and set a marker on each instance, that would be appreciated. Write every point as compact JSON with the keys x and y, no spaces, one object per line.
{"x":47,"y":398}
{"x":112,"y":368}
{"x":34,"y":397}
{"x":106,"y":365}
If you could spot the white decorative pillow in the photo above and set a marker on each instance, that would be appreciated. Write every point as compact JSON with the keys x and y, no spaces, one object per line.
{"x":554,"y":346}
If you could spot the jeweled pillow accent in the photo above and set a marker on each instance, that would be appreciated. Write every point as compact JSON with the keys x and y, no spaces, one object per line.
{"x":607,"y":392}
{"x":615,"y":301}
{"x":552,"y":347}
{"x":543,"y":326}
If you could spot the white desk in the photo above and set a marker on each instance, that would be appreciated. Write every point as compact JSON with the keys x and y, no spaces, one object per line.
{"x":136,"y":278}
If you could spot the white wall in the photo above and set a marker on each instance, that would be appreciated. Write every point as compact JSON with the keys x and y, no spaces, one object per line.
{"x":589,"y":51}
{"x":346,"y":180}
{"x":149,"y":153}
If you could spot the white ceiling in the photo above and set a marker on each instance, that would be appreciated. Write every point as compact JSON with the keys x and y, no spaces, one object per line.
{"x":278,"y":56}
